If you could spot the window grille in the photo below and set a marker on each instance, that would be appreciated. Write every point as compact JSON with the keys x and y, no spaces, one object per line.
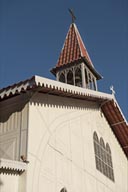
{"x":103,"y":157}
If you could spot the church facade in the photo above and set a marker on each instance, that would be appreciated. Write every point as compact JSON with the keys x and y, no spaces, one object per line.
{"x":63,"y":135}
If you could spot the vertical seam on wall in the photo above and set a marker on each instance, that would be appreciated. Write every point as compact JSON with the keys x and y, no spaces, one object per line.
{"x":27,"y":128}
{"x":20,"y":136}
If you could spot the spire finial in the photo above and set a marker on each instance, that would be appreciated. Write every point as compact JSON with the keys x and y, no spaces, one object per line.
{"x":72,"y":15}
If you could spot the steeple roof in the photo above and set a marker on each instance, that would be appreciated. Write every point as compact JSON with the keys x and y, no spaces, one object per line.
{"x":73,"y":48}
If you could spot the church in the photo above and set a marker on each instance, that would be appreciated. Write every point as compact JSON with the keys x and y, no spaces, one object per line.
{"x":63,"y":135}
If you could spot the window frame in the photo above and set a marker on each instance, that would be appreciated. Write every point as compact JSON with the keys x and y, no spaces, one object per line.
{"x":103,"y":157}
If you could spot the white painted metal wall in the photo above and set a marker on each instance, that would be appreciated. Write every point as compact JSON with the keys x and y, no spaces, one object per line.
{"x":60,"y":147}
{"x":13,"y":128}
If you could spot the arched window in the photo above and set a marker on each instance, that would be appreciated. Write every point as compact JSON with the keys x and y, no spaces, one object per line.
{"x":97,"y":151}
{"x":95,"y":137}
{"x":78,"y":77}
{"x":90,"y":81}
{"x":63,"y":190}
{"x":62,"y":78}
{"x":108,"y":148}
{"x":96,"y":145}
{"x":70,"y":78}
{"x":109,"y":162}
{"x":103,"y":157}
{"x":94,"y":83}
{"x":86,"y":78}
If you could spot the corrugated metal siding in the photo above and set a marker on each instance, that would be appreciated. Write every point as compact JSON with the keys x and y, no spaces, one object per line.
{"x":13,"y":128}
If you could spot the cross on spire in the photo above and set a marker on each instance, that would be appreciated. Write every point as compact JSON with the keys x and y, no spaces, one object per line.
{"x":72,"y":15}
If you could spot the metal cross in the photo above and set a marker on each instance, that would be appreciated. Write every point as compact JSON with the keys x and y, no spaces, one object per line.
{"x":112,"y":89}
{"x":72,"y":15}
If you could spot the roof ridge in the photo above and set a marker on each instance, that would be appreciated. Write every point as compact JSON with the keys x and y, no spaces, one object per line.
{"x":80,"y":41}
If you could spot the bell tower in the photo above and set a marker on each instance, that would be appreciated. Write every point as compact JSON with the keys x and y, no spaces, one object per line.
{"x":74,"y":65}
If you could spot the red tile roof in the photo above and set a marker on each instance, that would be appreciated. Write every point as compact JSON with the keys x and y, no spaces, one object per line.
{"x":73,"y":48}
{"x":117,"y":122}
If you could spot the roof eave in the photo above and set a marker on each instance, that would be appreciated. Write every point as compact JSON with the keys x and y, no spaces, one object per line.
{"x":64,"y":66}
{"x":92,"y":69}
{"x":81,"y":59}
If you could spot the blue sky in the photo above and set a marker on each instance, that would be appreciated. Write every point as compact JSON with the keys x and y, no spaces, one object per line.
{"x":32,"y":33}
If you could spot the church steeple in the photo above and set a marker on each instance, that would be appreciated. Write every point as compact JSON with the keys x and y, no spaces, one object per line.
{"x":74,"y":65}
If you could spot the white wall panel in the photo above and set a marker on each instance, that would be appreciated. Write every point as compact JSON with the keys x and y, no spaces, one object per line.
{"x":61,"y":141}
{"x":13,"y":128}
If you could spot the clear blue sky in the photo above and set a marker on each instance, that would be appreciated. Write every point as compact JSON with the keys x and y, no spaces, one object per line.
{"x":32,"y":33}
